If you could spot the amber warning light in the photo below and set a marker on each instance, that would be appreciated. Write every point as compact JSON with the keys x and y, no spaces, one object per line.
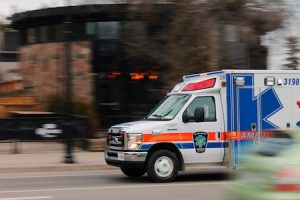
{"x":209,"y":83}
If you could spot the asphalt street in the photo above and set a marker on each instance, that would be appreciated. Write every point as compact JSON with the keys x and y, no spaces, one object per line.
{"x":110,"y":185}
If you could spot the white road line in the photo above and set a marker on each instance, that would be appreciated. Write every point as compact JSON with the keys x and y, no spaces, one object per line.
{"x":116,"y":187}
{"x":26,"y":198}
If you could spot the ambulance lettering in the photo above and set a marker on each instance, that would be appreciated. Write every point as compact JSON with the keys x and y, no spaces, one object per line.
{"x":291,"y":81}
{"x":251,"y":135}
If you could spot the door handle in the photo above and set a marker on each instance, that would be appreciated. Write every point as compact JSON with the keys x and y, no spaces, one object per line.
{"x":156,"y":132}
{"x":253,"y":126}
{"x":218,"y":135}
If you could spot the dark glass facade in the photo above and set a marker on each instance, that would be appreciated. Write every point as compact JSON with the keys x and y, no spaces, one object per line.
{"x":126,"y":81}
{"x":124,"y":88}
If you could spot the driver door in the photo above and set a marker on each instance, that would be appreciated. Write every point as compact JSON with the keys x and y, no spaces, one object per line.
{"x":208,"y":142}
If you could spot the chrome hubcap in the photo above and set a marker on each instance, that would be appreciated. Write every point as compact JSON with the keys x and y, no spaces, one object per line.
{"x":163,"y":166}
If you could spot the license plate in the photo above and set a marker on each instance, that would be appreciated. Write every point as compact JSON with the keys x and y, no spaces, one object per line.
{"x":120,"y":156}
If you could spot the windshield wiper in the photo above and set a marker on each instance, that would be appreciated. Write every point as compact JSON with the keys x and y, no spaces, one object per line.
{"x":161,"y":117}
{"x":158,"y":116}
{"x":167,"y":113}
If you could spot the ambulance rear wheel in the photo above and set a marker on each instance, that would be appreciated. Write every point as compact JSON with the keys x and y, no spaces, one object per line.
{"x":133,"y":172}
{"x":162,"y":166}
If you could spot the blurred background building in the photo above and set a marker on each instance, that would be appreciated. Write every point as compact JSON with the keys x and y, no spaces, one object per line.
{"x":9,"y":68}
{"x":125,"y":57}
{"x":12,"y":95}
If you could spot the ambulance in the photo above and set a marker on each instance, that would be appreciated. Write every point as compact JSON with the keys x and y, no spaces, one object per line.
{"x":208,"y":120}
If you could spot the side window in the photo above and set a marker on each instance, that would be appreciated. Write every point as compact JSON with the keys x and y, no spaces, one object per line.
{"x":208,"y":103}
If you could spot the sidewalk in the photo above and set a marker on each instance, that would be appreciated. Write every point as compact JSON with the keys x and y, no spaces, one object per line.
{"x":40,"y":157}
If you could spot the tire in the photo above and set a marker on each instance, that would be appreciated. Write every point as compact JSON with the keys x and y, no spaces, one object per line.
{"x":162,"y":166}
{"x":133,"y":172}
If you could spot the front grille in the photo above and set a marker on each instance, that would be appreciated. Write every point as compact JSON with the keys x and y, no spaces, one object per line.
{"x":111,"y":154}
{"x":116,"y":139}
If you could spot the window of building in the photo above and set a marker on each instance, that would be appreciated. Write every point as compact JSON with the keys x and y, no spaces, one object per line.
{"x":9,"y":56}
{"x":78,"y":30}
{"x":208,"y":103}
{"x":31,"y":35}
{"x":108,"y":48}
{"x":108,"y":30}
{"x":91,"y":28}
{"x":58,"y":32}
{"x":107,"y":55}
{"x":10,"y":40}
{"x":134,"y":28}
{"x":43,"y":34}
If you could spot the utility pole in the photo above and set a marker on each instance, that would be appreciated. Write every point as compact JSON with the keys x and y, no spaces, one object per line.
{"x":68,"y":126}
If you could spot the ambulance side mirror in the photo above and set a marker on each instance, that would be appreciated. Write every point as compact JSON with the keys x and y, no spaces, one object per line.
{"x":199,"y":114}
{"x":185,"y":117}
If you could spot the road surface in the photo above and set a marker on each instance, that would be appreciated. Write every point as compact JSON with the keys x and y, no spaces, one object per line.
{"x":110,"y":185}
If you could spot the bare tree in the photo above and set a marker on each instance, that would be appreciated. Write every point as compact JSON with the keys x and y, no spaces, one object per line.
{"x":188,"y":37}
{"x":185,"y":34}
{"x":293,"y":50}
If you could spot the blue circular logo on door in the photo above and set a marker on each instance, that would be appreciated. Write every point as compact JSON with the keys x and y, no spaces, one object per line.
{"x":200,"y":141}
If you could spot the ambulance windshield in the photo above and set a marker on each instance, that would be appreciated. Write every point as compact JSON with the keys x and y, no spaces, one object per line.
{"x":168,"y":108}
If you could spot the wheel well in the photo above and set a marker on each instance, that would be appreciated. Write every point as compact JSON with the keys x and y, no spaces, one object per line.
{"x":168,"y":146}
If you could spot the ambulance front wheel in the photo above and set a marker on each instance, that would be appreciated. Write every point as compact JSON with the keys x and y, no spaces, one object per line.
{"x":162,"y":166}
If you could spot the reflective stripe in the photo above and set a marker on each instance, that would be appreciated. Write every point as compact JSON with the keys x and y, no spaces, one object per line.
{"x":212,"y":136}
{"x":176,"y":137}
{"x":185,"y":140}
{"x":190,"y":145}
{"x":168,"y":137}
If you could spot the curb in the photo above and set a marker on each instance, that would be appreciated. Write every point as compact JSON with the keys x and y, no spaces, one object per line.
{"x":64,"y":167}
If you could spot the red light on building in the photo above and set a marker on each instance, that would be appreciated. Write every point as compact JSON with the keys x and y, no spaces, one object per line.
{"x":153,"y":77}
{"x":137,"y":76}
{"x":114,"y":75}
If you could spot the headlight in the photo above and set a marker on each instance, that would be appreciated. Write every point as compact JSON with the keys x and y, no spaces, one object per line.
{"x":135,"y":141}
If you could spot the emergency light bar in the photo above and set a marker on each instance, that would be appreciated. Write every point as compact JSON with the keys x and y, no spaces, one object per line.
{"x":209,"y":83}
{"x":185,"y":78}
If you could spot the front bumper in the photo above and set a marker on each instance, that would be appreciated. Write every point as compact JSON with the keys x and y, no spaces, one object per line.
{"x":121,"y":158}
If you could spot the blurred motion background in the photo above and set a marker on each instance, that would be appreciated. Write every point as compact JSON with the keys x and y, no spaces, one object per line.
{"x":124,"y":56}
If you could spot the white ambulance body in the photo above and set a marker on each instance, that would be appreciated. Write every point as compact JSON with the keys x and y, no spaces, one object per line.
{"x":192,"y":125}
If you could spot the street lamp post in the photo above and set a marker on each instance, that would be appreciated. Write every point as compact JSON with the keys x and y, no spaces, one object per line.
{"x":68,"y":90}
